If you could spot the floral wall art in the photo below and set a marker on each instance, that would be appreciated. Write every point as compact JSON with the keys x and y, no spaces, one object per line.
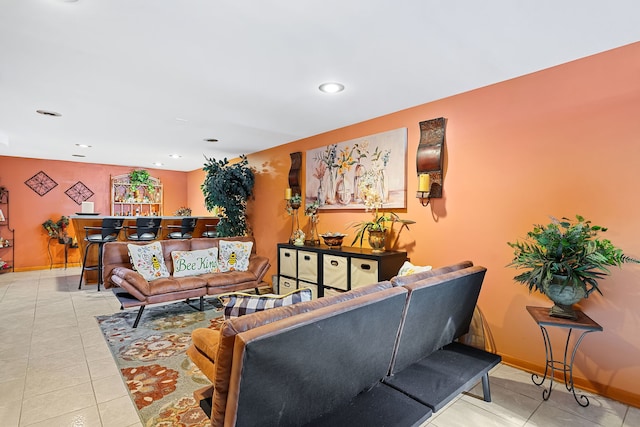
{"x":338,"y":173}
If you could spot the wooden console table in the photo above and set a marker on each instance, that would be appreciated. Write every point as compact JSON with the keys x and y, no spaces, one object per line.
{"x":583,"y":323}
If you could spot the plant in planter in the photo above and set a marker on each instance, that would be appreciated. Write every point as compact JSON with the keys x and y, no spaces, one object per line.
{"x":57,"y":229}
{"x":228,"y":186}
{"x":293,"y":204}
{"x":564,"y":260}
{"x":138,"y":177}
{"x":183,"y":211}
{"x":376,"y":228}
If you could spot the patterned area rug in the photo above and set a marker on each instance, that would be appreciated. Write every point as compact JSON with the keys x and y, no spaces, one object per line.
{"x":159,"y":375}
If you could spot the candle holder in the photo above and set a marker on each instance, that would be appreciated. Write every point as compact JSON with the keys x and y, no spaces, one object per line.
{"x":297,"y":235}
{"x":429,"y":160}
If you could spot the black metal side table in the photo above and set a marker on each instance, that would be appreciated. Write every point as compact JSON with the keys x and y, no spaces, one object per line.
{"x":583,"y":323}
{"x":68,"y":243}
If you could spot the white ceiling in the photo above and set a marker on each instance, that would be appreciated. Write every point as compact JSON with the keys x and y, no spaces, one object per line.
{"x":139,"y":80}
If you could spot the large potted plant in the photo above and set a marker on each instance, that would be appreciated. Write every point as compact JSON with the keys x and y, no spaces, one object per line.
{"x":228,"y":186}
{"x":565,"y":260}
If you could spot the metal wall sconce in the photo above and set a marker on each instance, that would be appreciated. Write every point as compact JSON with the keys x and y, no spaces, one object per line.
{"x":293,"y":197}
{"x":429,"y":159}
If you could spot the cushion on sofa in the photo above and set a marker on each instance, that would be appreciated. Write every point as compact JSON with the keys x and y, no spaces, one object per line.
{"x":148,"y":260}
{"x":234,"y":255}
{"x":194,"y":263}
{"x":408,"y":268}
{"x":203,"y":350}
{"x":238,"y":304}
{"x":406,"y":280}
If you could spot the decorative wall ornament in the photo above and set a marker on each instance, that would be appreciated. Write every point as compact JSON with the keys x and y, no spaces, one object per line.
{"x":79,"y":192}
{"x":41,"y":183}
{"x":334,"y":172}
{"x":294,"y":172}
{"x":429,"y":159}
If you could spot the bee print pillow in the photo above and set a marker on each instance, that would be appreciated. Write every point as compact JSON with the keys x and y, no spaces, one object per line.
{"x":194,"y":263}
{"x":148,"y":261}
{"x":234,"y":255}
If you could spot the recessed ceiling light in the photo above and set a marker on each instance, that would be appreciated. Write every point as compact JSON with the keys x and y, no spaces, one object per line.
{"x":331,"y":87}
{"x":158,"y":164}
{"x":211,"y":140}
{"x":78,"y":155}
{"x":48,"y":113}
{"x":83,"y":146}
{"x":175,"y":156}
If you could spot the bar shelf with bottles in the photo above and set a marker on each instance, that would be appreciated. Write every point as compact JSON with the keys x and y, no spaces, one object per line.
{"x":143,"y":201}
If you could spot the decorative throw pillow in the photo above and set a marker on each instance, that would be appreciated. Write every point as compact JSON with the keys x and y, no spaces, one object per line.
{"x":408,"y":268}
{"x":234,"y":255}
{"x":148,"y":261}
{"x":239,"y":304}
{"x":193,"y":263}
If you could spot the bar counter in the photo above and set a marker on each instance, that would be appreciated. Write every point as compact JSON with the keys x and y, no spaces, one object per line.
{"x":81,"y":221}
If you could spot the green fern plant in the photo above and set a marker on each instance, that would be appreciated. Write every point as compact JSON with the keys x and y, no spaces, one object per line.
{"x":571,"y":249}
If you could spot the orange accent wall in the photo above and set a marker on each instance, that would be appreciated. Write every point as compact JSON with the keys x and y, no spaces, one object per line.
{"x":562,"y":141}
{"x":29,"y":210}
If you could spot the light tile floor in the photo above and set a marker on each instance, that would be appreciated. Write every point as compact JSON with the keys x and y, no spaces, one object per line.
{"x":56,"y":369}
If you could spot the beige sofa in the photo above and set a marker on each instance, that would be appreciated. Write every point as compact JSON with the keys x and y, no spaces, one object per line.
{"x":134,"y":291}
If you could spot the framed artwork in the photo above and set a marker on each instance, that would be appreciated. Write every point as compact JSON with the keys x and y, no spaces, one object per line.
{"x":336,"y":173}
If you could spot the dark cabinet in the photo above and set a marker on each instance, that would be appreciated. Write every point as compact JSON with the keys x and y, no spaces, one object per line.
{"x":329,"y":270}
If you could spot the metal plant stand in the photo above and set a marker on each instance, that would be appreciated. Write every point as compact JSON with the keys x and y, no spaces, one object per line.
{"x":583,"y":323}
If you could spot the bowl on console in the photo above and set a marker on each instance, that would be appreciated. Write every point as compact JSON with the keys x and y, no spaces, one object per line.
{"x":333,"y":240}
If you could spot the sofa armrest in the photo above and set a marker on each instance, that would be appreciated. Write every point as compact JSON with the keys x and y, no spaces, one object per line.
{"x":131,"y":281}
{"x":259,"y":265}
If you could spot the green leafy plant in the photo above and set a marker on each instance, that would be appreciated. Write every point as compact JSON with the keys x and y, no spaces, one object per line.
{"x":293,"y":203}
{"x":56,"y":228}
{"x":570,"y":249}
{"x":372,"y":200}
{"x":228,"y":186}
{"x":138,"y":177}
{"x":378,"y":223}
{"x":183,"y":211}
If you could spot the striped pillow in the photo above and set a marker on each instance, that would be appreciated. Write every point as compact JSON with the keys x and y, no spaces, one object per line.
{"x":238,"y":304}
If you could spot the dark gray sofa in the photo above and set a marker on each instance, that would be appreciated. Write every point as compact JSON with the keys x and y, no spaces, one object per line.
{"x":379,"y":356}
{"x":428,"y":364}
